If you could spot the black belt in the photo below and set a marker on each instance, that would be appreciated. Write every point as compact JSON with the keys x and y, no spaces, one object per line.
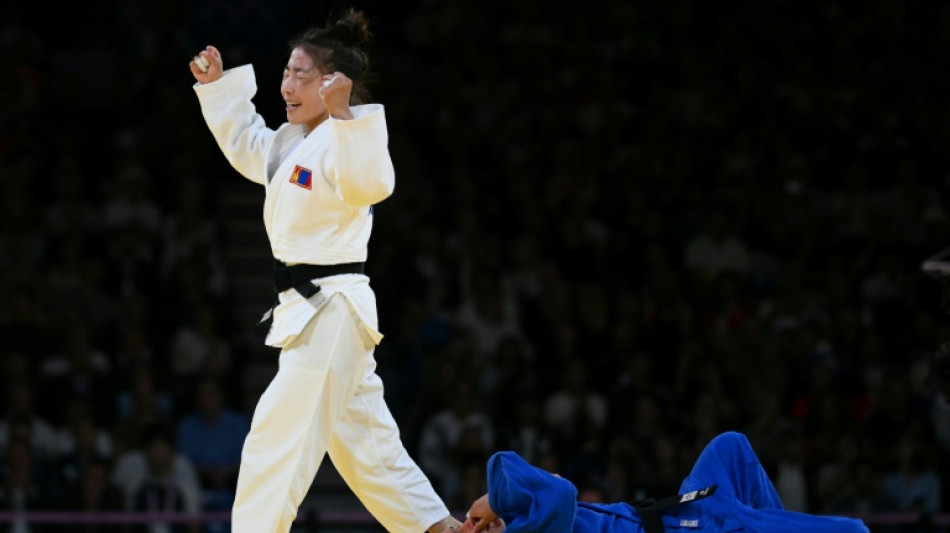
{"x":650,"y":509}
{"x":300,"y":278}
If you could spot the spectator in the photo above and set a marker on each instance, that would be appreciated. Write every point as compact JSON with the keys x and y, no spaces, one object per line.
{"x":791,"y":472}
{"x":198,"y":348}
{"x":162,"y":489}
{"x":79,"y":372}
{"x":718,"y":249}
{"x":211,"y":437}
{"x":489,"y":313}
{"x":20,"y":413}
{"x":139,"y":407}
{"x":93,"y":492}
{"x":576,"y":413}
{"x":913,"y":484}
{"x":526,"y":434}
{"x":132,"y":222}
{"x":80,"y":444}
{"x":24,"y":484}
{"x":189,"y":238}
{"x":450,"y":433}
{"x":156,"y":477}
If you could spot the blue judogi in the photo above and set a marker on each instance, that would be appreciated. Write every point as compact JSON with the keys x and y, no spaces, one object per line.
{"x":531,"y":500}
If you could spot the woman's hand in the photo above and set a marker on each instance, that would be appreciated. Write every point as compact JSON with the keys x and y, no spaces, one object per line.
{"x":215,"y":65}
{"x":481,"y":517}
{"x":335,"y":92}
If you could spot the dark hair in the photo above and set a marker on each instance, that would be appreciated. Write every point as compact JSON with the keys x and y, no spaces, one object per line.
{"x":340,"y":45}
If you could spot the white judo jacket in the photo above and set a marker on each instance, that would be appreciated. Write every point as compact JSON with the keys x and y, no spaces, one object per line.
{"x":320,"y":190}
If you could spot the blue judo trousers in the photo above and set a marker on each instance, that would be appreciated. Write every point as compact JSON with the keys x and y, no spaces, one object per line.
{"x":531,"y":500}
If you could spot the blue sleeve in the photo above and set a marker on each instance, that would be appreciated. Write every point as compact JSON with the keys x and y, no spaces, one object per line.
{"x":529,"y":499}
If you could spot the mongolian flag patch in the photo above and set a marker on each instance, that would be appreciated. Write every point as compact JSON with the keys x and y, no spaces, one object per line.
{"x":301,"y":176}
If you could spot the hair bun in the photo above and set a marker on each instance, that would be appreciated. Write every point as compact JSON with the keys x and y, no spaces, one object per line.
{"x":352,"y":29}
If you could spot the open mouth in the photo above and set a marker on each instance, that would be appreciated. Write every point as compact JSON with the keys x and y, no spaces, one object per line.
{"x":292,"y":106}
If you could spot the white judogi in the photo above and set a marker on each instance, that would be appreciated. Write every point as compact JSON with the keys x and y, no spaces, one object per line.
{"x":326,"y":396}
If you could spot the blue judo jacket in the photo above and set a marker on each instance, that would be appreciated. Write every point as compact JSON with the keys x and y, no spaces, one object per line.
{"x":531,"y":500}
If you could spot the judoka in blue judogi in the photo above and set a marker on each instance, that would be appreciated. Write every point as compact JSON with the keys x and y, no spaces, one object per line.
{"x":727,"y":490}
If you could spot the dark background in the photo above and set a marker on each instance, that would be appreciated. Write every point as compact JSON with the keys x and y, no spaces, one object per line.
{"x":562,"y":174}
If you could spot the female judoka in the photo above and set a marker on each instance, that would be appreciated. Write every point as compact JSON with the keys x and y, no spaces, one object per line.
{"x":727,"y":490}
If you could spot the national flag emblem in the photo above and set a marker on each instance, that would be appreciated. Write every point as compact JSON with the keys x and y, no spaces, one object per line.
{"x":301,"y":176}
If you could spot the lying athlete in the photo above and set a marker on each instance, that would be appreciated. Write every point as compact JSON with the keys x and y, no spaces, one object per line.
{"x":727,"y":491}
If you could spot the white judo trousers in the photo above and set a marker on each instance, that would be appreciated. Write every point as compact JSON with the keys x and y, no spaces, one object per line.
{"x":326,"y":398}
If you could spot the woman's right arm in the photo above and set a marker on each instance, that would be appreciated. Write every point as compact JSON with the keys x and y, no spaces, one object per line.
{"x":240,"y":132}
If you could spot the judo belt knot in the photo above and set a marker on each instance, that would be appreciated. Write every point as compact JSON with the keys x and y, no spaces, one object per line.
{"x":651,"y":509}
{"x":300,"y":278}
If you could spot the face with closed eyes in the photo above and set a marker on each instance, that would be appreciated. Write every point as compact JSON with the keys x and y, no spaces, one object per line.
{"x":301,"y":91}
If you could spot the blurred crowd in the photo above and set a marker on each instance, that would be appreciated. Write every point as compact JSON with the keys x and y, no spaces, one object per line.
{"x":615,"y":233}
